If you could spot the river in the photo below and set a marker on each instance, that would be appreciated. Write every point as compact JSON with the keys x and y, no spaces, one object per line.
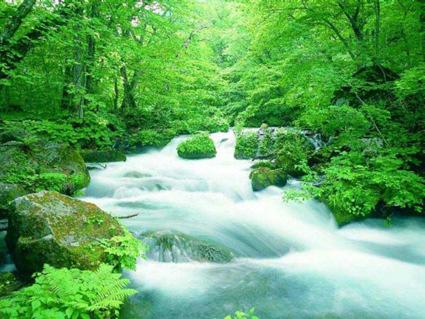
{"x":291,"y":260}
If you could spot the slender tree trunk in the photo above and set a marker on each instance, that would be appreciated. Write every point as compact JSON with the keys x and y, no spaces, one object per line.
{"x":75,"y":77}
{"x":91,"y":52}
{"x":377,"y":8}
{"x":422,"y":22}
{"x":129,"y":102}
{"x":116,"y":94}
{"x":15,"y":21}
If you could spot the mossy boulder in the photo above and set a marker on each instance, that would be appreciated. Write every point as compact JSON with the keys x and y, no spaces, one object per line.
{"x":165,"y":246}
{"x":198,"y":146}
{"x":40,"y":165}
{"x":52,"y":228}
{"x":8,"y":192}
{"x":247,"y":143}
{"x":342,"y":217}
{"x":103,"y":156}
{"x":264,"y":177}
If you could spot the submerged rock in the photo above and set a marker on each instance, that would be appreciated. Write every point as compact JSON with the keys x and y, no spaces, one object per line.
{"x":104,"y":156}
{"x":264,"y":177}
{"x":198,"y":146}
{"x":51,"y":228}
{"x":178,"y":247}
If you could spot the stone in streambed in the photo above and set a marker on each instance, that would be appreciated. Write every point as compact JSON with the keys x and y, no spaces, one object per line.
{"x":166,"y":246}
{"x":264,"y":177}
{"x":52,"y":228}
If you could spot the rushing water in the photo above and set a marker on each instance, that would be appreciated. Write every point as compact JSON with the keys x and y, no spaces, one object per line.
{"x":291,"y":259}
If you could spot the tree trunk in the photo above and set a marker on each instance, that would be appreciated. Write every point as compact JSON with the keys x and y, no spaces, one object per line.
{"x":15,"y":21}
{"x":116,"y":94}
{"x":377,"y":8}
{"x":91,"y":52}
{"x":422,"y":22}
{"x":129,"y":102}
{"x":75,"y":77}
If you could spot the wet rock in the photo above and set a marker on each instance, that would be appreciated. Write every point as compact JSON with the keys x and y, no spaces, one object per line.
{"x":177,"y":247}
{"x":104,"y":156}
{"x":136,"y":174}
{"x":264,"y":177}
{"x":52,"y":228}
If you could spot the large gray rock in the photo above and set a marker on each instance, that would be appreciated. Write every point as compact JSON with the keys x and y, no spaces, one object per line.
{"x":52,"y":228}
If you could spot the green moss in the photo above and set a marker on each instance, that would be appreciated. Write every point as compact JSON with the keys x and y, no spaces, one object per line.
{"x":246,"y":145}
{"x":197,"y":147}
{"x":267,"y":164}
{"x":264,"y":177}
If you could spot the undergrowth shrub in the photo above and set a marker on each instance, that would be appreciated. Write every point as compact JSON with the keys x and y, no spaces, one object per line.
{"x":123,"y":251}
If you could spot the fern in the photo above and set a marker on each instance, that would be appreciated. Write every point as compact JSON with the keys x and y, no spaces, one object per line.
{"x":69,"y":294}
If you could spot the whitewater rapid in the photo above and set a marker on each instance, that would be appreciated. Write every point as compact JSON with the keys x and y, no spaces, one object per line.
{"x":291,"y":259}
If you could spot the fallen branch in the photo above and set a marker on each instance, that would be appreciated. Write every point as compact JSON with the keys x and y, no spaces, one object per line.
{"x":128,"y":216}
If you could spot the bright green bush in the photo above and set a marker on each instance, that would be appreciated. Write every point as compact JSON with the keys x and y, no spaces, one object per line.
{"x":197,"y":147}
{"x":353,"y":187}
{"x":69,"y":294}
